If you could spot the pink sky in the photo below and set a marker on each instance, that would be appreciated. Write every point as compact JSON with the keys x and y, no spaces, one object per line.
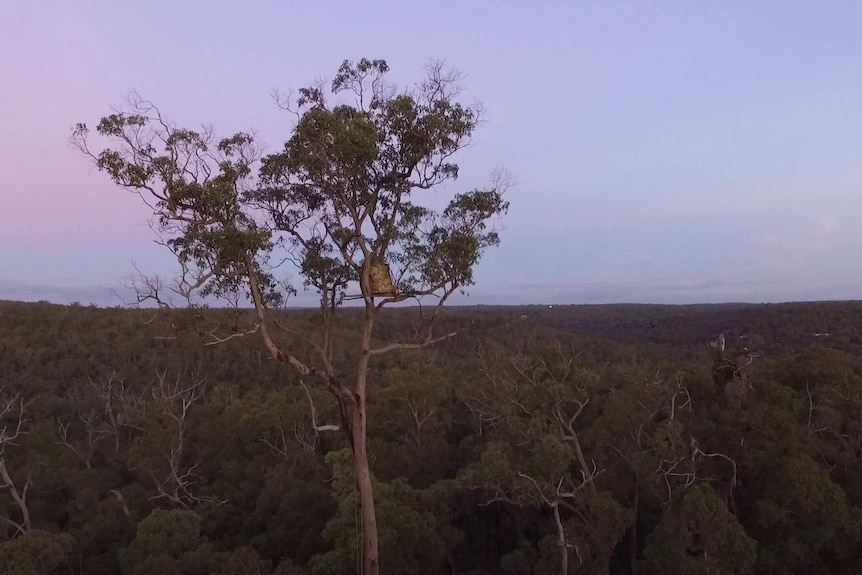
{"x":655,"y":145}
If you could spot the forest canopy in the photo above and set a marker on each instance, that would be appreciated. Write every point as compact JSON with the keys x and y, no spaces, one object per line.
{"x":140,"y":454}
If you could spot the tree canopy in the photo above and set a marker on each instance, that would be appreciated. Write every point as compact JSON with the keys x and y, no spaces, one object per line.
{"x":128,"y":453}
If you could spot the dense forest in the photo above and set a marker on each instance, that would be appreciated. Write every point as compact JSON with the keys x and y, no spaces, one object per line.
{"x":539,"y":440}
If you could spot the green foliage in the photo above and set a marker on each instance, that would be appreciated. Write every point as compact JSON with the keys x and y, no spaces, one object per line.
{"x":803,"y":517}
{"x":38,"y":552}
{"x":520,"y":561}
{"x":699,"y":535}
{"x":242,"y":561}
{"x":287,"y":567}
{"x":597,"y":529}
{"x":289,"y":507}
{"x":348,"y":169}
{"x":411,"y":541}
{"x":168,"y":542}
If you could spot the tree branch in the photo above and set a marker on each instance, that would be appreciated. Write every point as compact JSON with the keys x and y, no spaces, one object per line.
{"x":417,"y":345}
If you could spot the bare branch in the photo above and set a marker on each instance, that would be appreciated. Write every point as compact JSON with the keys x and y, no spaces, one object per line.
{"x":122,"y":501}
{"x":274,"y":351}
{"x":538,"y":489}
{"x":13,"y":409}
{"x":219,"y":340}
{"x":418,"y":345}
{"x":698,"y":451}
{"x":314,"y":424}
{"x":171,"y":401}
{"x":279,"y":445}
{"x":812,"y":429}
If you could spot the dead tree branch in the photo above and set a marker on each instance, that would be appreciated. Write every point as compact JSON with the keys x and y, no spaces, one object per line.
{"x":12,"y":420}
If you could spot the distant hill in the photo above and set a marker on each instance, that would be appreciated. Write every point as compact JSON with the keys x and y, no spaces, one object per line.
{"x":765,"y":326}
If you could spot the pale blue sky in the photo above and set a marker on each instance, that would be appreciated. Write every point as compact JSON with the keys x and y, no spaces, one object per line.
{"x":665,"y":151}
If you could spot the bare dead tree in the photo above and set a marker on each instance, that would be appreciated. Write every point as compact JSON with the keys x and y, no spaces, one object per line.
{"x":92,"y":431}
{"x":420,"y":418}
{"x":565,"y":394}
{"x":278,"y":444}
{"x":103,"y":406}
{"x":563,"y":494}
{"x":683,"y":471}
{"x":679,"y":398}
{"x":813,"y":405}
{"x":305,"y":432}
{"x":565,"y":424}
{"x":730,"y":367}
{"x":175,"y":400}
{"x":95,"y":417}
{"x":12,"y":421}
{"x":483,"y":409}
{"x":167,"y":403}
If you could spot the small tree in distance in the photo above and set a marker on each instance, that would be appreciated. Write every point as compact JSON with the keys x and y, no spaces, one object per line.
{"x":339,"y":199}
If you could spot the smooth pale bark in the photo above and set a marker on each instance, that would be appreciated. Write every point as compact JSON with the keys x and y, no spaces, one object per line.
{"x":20,"y":498}
{"x":357,"y":429}
{"x":365,"y":489}
{"x":359,"y":432}
{"x":561,"y":541}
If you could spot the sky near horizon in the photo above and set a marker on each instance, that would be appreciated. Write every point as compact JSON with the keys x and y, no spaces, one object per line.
{"x":664,"y":151}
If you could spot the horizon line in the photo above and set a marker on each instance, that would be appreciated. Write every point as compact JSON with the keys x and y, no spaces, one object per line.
{"x":462,"y":306}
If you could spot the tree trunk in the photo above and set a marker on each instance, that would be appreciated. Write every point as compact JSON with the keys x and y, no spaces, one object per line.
{"x":359,"y":430}
{"x":633,"y":547}
{"x":370,"y":560}
{"x":582,"y":462}
{"x":20,"y":498}
{"x":561,"y":541}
